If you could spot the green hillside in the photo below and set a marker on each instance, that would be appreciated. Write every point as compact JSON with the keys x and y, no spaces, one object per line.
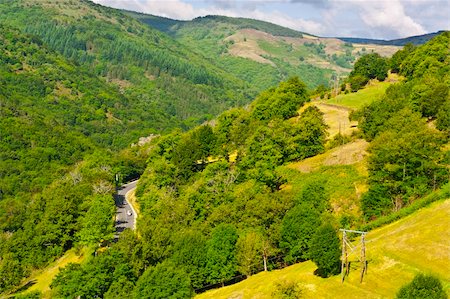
{"x":255,"y":186}
{"x":156,"y":72}
{"x":258,"y":52}
{"x":396,"y":252}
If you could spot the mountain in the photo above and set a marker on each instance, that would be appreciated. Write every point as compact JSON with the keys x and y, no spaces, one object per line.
{"x":415,"y":40}
{"x":148,"y":66}
{"x":263,"y":53}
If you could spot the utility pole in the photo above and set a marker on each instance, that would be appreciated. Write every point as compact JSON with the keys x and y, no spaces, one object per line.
{"x":348,"y":248}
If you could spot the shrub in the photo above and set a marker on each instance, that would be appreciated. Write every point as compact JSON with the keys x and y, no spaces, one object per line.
{"x":287,"y":290}
{"x":325,"y":250}
{"x":422,"y":287}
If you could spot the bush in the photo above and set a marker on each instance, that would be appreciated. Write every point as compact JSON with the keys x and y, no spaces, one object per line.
{"x":325,"y":250}
{"x":422,"y":287}
{"x":287,"y":290}
{"x":164,"y":280}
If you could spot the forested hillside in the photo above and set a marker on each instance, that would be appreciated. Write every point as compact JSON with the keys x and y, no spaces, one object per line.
{"x":78,"y":84}
{"x":222,"y":202}
{"x":61,"y":132}
{"x":219,"y":201}
{"x":156,"y":72}
{"x":261,"y":53}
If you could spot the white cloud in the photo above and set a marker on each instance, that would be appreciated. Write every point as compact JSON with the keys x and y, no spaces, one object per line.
{"x":363,"y":18}
{"x":390,"y":16}
{"x":175,"y":9}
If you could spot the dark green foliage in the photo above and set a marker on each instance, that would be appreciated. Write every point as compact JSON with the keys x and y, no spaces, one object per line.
{"x":298,"y":226}
{"x":443,"y":117}
{"x":162,"y":281}
{"x":314,"y":194}
{"x":190,"y":253}
{"x":221,"y":254}
{"x":325,"y":250}
{"x":357,"y":82}
{"x":423,"y":287}
{"x":121,"y":288}
{"x":443,"y":193}
{"x":369,"y":66}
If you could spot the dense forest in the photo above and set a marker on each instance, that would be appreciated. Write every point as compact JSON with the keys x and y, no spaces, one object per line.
{"x":213,"y":201}
{"x":80,"y":82}
{"x":153,"y":70}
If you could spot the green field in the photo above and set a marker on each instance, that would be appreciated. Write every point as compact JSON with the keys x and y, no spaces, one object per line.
{"x":362,"y":97}
{"x":396,"y":252}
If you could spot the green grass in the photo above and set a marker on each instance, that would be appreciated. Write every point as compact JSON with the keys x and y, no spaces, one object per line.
{"x":40,"y":281}
{"x":395,"y":252}
{"x":361,"y":97}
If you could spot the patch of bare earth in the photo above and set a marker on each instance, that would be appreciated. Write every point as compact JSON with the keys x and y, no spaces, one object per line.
{"x":246,"y":45}
{"x":347,"y":154}
{"x":337,"y":119}
{"x":386,"y":51}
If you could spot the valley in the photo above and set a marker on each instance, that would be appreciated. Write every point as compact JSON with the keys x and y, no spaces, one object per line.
{"x":147,"y":157}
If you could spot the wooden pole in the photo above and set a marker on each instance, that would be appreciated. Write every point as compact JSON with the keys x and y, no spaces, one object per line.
{"x":363,"y":257}
{"x":343,"y":255}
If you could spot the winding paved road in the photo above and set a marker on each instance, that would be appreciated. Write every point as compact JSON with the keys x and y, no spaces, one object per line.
{"x":124,"y":209}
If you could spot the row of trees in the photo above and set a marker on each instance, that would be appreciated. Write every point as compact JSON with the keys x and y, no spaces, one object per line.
{"x":407,"y":129}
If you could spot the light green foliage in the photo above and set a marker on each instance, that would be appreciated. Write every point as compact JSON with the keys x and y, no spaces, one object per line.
{"x":422,"y":286}
{"x":431,"y":58}
{"x":281,"y":102}
{"x":250,"y":252}
{"x":164,"y":280}
{"x":287,"y":290}
{"x":97,"y":223}
{"x":403,"y":163}
{"x":325,"y":250}
{"x":93,"y":278}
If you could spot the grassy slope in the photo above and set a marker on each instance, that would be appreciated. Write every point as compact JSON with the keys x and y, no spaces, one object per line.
{"x":362,"y":97}
{"x":396,"y":252}
{"x":41,"y":280}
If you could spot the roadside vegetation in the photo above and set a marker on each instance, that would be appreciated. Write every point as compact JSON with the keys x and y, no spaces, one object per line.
{"x":258,"y":188}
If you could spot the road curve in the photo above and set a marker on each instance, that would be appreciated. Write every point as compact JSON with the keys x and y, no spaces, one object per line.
{"x":123,"y":218}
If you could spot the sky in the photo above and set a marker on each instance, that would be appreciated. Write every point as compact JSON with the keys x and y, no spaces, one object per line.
{"x":380,"y":19}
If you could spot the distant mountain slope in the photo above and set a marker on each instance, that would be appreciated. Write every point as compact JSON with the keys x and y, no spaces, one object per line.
{"x":416,"y":40}
{"x":241,"y":23}
{"x":149,"y":66}
{"x":262,"y":53}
